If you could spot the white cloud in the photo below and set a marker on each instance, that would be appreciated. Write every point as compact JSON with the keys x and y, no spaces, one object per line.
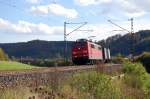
{"x":55,"y":9}
{"x":90,"y":2}
{"x":24,"y":27}
{"x":39,"y":10}
{"x":129,"y":8}
{"x":101,"y":31}
{"x":33,"y":1}
{"x":135,"y":14}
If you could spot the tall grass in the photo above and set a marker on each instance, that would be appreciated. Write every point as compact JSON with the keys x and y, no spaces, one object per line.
{"x":14,"y":93}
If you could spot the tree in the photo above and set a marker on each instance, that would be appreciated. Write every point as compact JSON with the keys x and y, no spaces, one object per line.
{"x":3,"y":56}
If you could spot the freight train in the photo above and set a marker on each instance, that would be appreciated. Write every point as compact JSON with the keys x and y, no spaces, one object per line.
{"x":88,"y":52}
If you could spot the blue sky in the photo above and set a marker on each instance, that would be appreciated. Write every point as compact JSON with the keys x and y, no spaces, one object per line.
{"x":24,"y":20}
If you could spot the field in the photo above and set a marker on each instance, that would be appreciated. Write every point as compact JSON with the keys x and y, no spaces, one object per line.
{"x":9,"y":65}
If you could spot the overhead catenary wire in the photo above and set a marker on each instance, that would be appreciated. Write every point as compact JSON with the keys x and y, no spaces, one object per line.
{"x":119,"y":26}
{"x":130,"y":32}
{"x":67,"y":34}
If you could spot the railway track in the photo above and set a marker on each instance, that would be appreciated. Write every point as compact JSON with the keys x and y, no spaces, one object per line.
{"x":40,"y":76}
{"x":107,"y":67}
{"x":45,"y":69}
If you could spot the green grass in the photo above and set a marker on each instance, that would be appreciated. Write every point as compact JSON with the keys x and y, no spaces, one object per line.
{"x":9,"y":65}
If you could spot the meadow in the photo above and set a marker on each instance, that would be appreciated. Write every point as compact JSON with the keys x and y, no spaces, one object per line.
{"x":10,"y":65}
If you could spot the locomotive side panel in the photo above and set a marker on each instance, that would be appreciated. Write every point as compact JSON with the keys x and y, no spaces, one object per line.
{"x":95,"y":51}
{"x":108,"y":54}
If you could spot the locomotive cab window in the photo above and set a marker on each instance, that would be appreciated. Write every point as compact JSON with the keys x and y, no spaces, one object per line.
{"x":92,"y":46}
{"x":79,"y":44}
{"x":99,"y":48}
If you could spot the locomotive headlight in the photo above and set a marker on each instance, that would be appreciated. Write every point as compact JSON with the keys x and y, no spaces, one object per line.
{"x":84,"y":51}
{"x":84,"y":55}
{"x":74,"y":52}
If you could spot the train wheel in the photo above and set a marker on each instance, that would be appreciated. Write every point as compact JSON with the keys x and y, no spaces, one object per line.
{"x":91,"y":62}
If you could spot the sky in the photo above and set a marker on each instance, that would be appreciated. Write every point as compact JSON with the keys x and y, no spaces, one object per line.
{"x":25,"y":20}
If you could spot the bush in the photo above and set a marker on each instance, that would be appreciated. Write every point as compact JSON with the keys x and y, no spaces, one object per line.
{"x":145,"y":60}
{"x":137,"y":77}
{"x":96,"y":84}
{"x":118,"y":59}
{"x":3,"y":55}
{"x":46,"y":63}
{"x":134,"y":74}
{"x":133,"y":68}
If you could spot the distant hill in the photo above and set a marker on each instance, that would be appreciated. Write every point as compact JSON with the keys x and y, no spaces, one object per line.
{"x":55,"y":49}
{"x":123,"y":44}
{"x":36,"y":49}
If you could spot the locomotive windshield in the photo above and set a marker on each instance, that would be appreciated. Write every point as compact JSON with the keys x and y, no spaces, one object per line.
{"x":79,"y":44}
{"x":81,"y":40}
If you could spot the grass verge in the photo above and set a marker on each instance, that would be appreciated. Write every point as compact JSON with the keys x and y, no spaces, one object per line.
{"x":10,"y":65}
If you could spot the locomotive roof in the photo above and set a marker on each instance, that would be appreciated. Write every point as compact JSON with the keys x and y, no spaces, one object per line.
{"x":85,"y":40}
{"x":81,"y":40}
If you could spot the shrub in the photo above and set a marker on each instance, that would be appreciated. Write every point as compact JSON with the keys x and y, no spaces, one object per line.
{"x":134,"y":74}
{"x":96,"y":84}
{"x":137,"y":77}
{"x":145,"y":60}
{"x":46,"y":62}
{"x":62,"y":63}
{"x":3,"y":55}
{"x":133,"y":68}
{"x":118,"y":59}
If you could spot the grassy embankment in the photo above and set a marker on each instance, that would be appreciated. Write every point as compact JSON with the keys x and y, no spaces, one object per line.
{"x":10,"y":65}
{"x":90,"y":85}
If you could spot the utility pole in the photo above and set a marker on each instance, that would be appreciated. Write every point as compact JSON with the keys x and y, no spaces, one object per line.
{"x":132,"y":35}
{"x":132,"y":40}
{"x":67,"y":34}
{"x":65,"y":42}
{"x":132,"y":30}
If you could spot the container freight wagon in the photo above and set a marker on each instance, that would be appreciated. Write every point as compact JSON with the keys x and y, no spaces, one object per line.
{"x":87,"y":52}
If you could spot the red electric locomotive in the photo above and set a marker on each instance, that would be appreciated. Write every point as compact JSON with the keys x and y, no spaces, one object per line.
{"x":87,"y":52}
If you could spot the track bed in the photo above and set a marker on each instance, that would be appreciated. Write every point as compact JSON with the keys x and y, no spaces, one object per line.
{"x":42,"y":76}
